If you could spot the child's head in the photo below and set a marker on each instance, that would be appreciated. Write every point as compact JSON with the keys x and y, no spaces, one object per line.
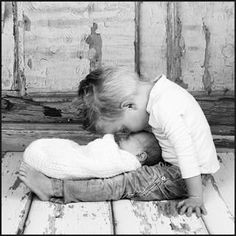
{"x":143,"y":145}
{"x":110,"y":96}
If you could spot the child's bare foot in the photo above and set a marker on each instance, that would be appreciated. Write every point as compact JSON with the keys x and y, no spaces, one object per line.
{"x":36,"y":181}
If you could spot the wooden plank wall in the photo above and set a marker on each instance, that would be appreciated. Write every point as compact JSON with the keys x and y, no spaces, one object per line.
{"x":72,"y":39}
{"x":8,"y":42}
{"x":49,"y":47}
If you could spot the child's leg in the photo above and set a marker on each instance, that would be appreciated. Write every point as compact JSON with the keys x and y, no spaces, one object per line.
{"x":158,"y":182}
{"x":146,"y":183}
{"x":40,"y":184}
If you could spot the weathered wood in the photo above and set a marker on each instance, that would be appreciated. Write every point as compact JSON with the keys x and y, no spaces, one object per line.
{"x":218,"y":108}
{"x":218,"y":220}
{"x":16,"y":136}
{"x":19,"y":64}
{"x":224,"y":179}
{"x":153,"y":38}
{"x":74,"y":218}
{"x":15,"y":195}
{"x":26,"y":110}
{"x":8,"y":42}
{"x":208,"y":34}
{"x":156,"y":217}
{"x":73,"y":38}
{"x":137,"y":37}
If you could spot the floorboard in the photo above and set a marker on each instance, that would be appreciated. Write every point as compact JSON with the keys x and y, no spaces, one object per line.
{"x":139,"y":217}
{"x":75,"y":218}
{"x":15,"y":195}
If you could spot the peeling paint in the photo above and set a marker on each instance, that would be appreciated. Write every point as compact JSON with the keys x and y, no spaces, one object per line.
{"x":29,"y":63}
{"x":206,"y":79}
{"x":167,"y":208}
{"x":51,"y":228}
{"x":27,"y":23}
{"x":140,"y":215}
{"x":7,"y":13}
{"x":185,"y":228}
{"x":16,"y":184}
{"x":94,"y":40}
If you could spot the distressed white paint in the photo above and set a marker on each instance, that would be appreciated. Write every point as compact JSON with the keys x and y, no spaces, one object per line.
{"x":14,"y":196}
{"x":7,"y":50}
{"x":56,"y":43}
{"x":218,"y":220}
{"x":73,"y":218}
{"x":225,"y":179}
{"x":153,"y":39}
{"x":144,"y":217}
{"x":219,"y":18}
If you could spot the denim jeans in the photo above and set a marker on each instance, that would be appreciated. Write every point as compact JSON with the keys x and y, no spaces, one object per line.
{"x":159,"y":182}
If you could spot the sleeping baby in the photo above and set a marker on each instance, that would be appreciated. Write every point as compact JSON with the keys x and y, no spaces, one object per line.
{"x":104,"y":157}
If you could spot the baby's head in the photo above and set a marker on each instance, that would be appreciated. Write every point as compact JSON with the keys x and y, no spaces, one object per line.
{"x":110,"y":97}
{"x":143,"y":145}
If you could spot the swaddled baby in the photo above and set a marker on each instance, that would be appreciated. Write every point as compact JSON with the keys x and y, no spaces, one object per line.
{"x":101,"y":158}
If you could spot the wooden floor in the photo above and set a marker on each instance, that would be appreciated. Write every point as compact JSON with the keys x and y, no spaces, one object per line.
{"x":23,"y":213}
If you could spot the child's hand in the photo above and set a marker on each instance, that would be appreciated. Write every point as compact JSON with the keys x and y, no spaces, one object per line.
{"x":192,"y":204}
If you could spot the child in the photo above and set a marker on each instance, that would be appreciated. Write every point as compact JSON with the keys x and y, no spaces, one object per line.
{"x":65,"y":159}
{"x":118,"y":99}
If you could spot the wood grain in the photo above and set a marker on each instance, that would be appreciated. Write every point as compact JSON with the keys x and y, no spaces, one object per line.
{"x":219,"y":109}
{"x":15,"y":194}
{"x":218,"y":220}
{"x":74,"y":218}
{"x":224,"y":179}
{"x":8,"y":49}
{"x":63,"y":46}
{"x":17,"y":136}
{"x":154,"y":217}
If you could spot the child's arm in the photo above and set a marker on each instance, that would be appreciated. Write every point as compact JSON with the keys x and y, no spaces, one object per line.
{"x":194,"y":203}
{"x":174,"y":126}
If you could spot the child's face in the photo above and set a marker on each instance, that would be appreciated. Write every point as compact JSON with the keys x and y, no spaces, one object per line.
{"x":131,"y":120}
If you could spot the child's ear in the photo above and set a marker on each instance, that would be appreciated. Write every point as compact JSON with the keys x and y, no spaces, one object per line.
{"x":142,"y":156}
{"x":127,"y":104}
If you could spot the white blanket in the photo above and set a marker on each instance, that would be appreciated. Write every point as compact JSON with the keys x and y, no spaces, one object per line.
{"x":65,"y":159}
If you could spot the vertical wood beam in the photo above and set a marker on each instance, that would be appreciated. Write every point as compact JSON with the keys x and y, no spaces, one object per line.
{"x":137,"y":37}
{"x":19,"y":77}
{"x":175,"y":44}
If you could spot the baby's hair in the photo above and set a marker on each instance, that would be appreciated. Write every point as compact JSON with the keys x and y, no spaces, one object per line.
{"x":153,"y":150}
{"x":103,"y":91}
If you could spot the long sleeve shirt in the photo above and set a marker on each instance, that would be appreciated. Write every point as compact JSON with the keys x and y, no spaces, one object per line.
{"x":181,"y":128}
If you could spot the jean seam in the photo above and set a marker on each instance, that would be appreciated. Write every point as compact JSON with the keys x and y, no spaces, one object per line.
{"x":150,"y":187}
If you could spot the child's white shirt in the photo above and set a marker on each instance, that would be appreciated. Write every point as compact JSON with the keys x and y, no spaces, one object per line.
{"x":181,"y":128}
{"x":65,"y":159}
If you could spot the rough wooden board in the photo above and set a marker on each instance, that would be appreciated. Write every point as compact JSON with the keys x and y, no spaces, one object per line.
{"x":16,"y":136}
{"x":218,"y":220}
{"x":14,"y":194}
{"x":152,"y":39}
{"x":7,"y":51}
{"x":218,"y":17}
{"x":225,"y":179}
{"x":137,"y":217}
{"x":218,"y":109}
{"x":73,"y":218}
{"x":57,"y":52}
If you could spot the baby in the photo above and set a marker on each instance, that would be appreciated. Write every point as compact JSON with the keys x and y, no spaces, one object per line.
{"x":103,"y":157}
